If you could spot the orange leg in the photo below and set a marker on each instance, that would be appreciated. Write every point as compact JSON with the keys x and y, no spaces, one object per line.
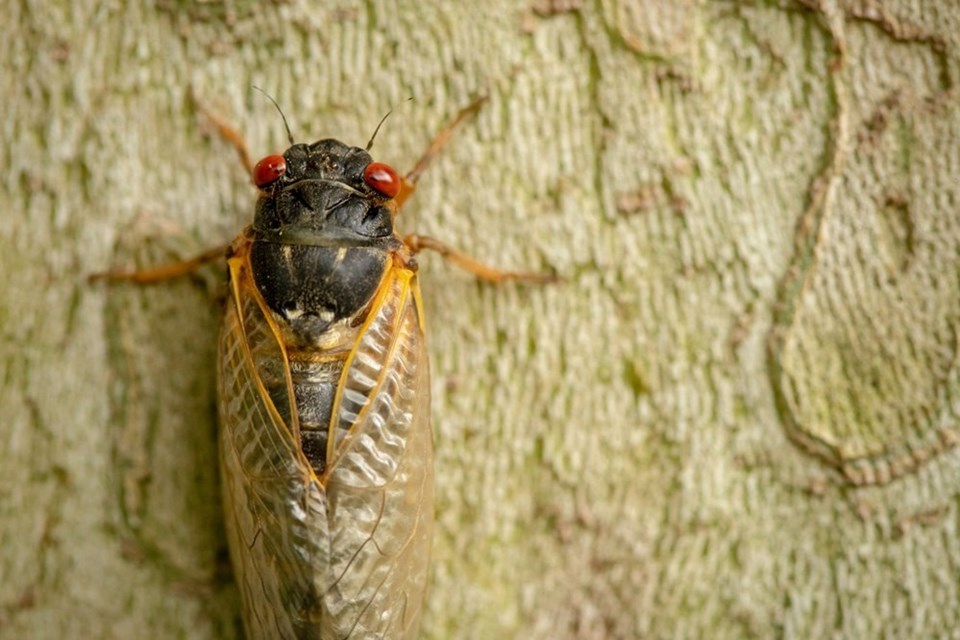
{"x":433,"y":150}
{"x":188,"y":266}
{"x":164,"y":272}
{"x":230,"y":134}
{"x":417,"y":243}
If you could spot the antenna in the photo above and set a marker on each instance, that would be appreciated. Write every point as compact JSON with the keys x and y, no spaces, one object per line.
{"x":377,"y":130}
{"x":280,"y":111}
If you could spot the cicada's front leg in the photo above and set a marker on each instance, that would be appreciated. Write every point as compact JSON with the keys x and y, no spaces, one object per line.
{"x":416,"y":243}
{"x":434,"y":148}
{"x":185,"y":267}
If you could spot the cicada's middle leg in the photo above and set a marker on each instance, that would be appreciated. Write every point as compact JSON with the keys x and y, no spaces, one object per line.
{"x":163,"y":272}
{"x":417,"y":243}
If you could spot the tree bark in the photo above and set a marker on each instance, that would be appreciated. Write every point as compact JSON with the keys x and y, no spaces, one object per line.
{"x":735,"y":418}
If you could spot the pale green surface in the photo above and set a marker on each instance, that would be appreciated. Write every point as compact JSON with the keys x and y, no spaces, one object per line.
{"x":756,"y":210}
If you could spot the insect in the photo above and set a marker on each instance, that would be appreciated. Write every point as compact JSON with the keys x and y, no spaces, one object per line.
{"x":325,"y":438}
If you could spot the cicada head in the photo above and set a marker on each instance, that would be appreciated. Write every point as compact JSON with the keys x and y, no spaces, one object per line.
{"x":325,"y":193}
{"x":322,"y":235}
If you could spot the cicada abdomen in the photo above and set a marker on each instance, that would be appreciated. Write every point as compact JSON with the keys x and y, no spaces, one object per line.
{"x":324,"y":403}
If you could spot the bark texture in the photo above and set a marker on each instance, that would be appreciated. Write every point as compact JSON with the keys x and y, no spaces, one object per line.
{"x":737,"y":417}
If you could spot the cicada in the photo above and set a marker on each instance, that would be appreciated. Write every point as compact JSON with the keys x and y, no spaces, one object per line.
{"x":324,"y":395}
{"x":325,"y":441}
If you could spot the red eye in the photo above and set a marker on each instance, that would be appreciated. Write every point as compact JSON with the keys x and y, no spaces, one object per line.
{"x":382,"y":178}
{"x":269,"y":170}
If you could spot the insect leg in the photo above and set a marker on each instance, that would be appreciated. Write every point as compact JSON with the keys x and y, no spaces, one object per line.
{"x":227,"y":132}
{"x":163,"y":272}
{"x":417,"y":243}
{"x":433,"y":149}
{"x":188,"y":266}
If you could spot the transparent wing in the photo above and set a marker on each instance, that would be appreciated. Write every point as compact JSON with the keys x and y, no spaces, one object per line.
{"x":380,"y":473}
{"x":275,"y":507}
{"x":344,"y":555}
